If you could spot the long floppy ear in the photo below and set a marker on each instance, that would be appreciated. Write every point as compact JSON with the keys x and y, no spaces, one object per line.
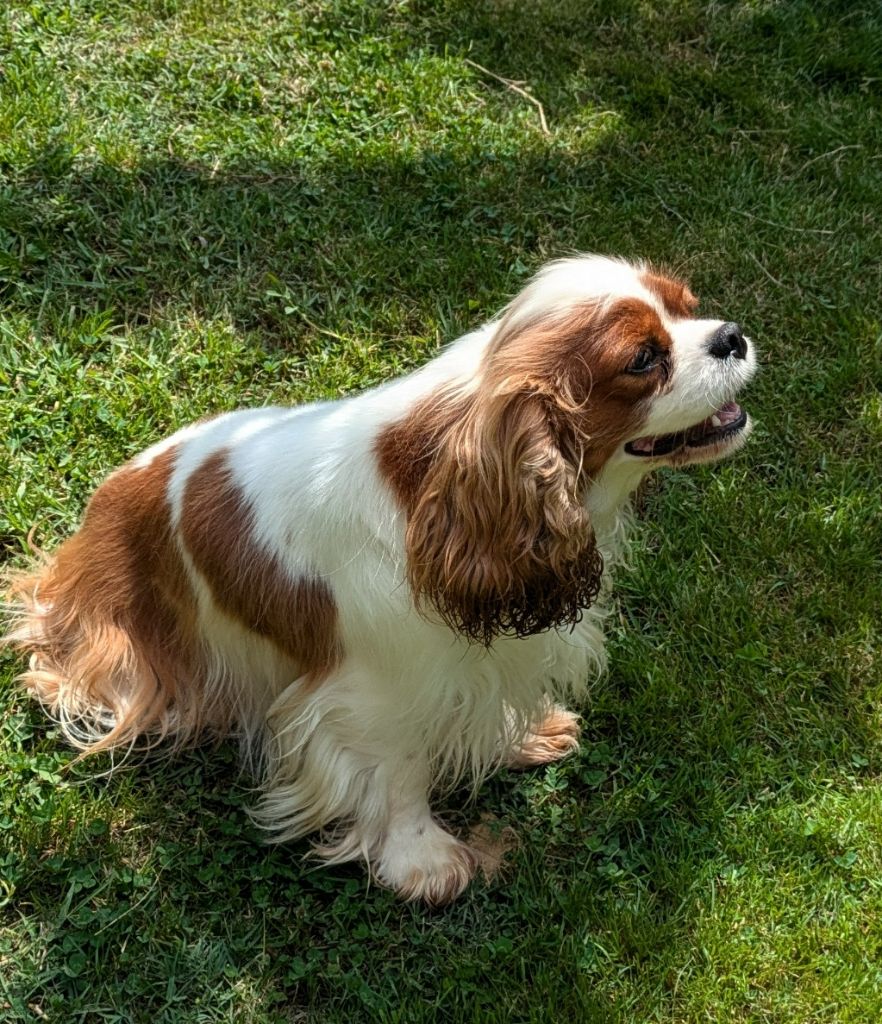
{"x":498,"y":540}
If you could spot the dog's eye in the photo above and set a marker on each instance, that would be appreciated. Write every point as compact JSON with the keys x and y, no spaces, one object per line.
{"x":646,"y":359}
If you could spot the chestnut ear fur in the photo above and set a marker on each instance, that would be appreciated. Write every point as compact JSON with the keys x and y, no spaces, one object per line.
{"x":498,"y":538}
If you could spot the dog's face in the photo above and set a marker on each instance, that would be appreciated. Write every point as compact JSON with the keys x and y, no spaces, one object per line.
{"x":695,"y":368}
{"x":646,"y":380}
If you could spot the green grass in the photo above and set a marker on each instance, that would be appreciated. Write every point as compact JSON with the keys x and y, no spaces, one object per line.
{"x":208,"y":204}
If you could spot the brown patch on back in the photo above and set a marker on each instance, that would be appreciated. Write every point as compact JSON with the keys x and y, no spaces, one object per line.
{"x":110,"y":619}
{"x":248,"y":583}
{"x":675,"y":296}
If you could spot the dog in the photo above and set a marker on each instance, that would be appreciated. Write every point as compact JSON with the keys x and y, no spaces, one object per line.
{"x":382,"y":595}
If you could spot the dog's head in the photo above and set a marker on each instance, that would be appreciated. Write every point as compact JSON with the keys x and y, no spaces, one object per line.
{"x":618,"y":348}
{"x":599,"y":366}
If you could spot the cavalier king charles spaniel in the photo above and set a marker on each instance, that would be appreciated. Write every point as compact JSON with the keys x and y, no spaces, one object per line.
{"x":381,"y":595}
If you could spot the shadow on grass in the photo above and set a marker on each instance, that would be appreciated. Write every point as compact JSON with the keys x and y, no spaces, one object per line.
{"x":439,"y":232}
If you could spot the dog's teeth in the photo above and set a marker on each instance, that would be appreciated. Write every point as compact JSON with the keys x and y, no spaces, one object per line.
{"x":717,"y":422}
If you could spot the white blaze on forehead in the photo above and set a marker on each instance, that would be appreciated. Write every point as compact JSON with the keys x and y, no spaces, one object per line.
{"x":568,"y":282}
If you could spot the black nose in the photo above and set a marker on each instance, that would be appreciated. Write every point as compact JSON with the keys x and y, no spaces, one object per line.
{"x":728,"y":340}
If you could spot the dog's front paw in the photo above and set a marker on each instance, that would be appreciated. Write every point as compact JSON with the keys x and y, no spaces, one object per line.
{"x":555,"y":737}
{"x":429,"y":864}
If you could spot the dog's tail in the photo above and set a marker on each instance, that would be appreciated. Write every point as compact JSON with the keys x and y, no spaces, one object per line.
{"x":91,"y":671}
{"x":109,"y":624}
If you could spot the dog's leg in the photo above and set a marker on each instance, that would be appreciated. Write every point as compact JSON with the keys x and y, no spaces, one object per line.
{"x":556,"y":736}
{"x":418,"y":858}
{"x":341,"y":761}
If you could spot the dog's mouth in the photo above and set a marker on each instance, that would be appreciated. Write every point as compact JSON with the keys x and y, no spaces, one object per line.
{"x":717,"y":432}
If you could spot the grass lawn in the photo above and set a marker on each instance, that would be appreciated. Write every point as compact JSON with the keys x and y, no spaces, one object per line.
{"x":206,"y":204}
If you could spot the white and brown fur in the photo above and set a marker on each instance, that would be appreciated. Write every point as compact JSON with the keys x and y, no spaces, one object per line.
{"x":381,"y":595}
